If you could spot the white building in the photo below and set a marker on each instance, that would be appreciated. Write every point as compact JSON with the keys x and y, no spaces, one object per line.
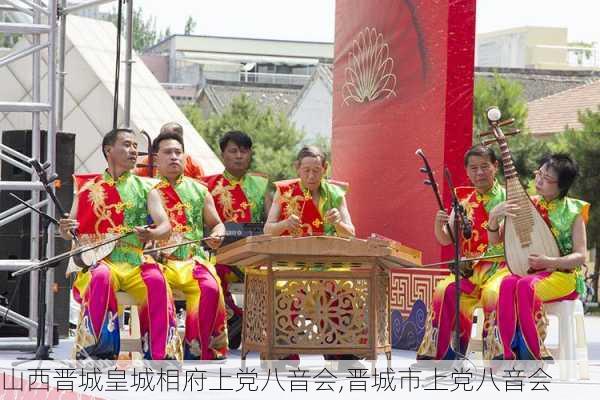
{"x":193,"y":59}
{"x":533,"y":47}
{"x":291,"y":77}
{"x":313,"y":110}
{"x":89,"y":87}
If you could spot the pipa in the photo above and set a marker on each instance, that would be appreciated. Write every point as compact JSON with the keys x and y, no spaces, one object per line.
{"x":526,"y":233}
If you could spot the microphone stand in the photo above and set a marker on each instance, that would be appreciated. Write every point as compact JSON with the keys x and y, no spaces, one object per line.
{"x":43,"y":350}
{"x":454,"y":233}
{"x":461,"y":223}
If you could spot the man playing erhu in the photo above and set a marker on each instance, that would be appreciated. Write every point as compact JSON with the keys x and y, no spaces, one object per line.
{"x":481,"y":285}
{"x":108,"y":204}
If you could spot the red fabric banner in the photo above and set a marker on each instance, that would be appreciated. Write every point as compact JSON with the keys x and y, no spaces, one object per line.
{"x":403,"y":80}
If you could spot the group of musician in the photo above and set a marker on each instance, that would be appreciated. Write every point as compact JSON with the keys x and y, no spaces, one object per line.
{"x":170,"y":211}
{"x":179,"y":205}
{"x":515,"y":323}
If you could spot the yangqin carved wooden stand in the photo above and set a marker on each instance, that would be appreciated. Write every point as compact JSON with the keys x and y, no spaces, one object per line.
{"x":315,"y":295}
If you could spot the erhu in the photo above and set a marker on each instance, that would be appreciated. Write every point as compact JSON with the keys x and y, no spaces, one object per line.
{"x":150,"y":167}
{"x":466,"y":268}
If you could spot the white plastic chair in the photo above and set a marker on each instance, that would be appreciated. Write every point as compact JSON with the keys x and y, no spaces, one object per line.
{"x":572,"y":345}
{"x":130,"y":339}
{"x":476,"y":343}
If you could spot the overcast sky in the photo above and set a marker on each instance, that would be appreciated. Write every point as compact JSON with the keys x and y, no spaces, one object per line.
{"x":313,"y":20}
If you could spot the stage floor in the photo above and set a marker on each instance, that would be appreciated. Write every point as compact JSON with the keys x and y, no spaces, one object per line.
{"x":401,"y":361}
{"x":592,"y":331}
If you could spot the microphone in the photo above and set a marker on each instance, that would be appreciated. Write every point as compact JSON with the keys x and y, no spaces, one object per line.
{"x":53,"y":177}
{"x":467,"y":228}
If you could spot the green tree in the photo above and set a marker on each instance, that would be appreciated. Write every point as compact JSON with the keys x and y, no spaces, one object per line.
{"x":275,"y":138}
{"x":145,"y":33}
{"x":508,"y":96}
{"x":8,"y":40}
{"x":584,"y":146}
{"x":504,"y":93}
{"x":190,"y":26}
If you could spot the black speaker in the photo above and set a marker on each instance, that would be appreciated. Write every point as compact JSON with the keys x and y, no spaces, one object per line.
{"x":15,"y":235}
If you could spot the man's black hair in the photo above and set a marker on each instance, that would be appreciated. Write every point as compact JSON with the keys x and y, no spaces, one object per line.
{"x":238,"y":137}
{"x":111,"y":138}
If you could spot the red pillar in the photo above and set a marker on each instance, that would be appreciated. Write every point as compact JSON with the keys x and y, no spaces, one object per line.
{"x":413,"y":59}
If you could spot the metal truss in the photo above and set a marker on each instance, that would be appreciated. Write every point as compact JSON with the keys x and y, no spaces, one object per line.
{"x":48,"y":33}
{"x":43,"y":26}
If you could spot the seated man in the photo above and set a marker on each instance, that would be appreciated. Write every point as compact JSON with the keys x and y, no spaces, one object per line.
{"x":480,"y":286}
{"x":310,"y":205}
{"x":190,"y":167}
{"x":241,"y":197}
{"x":190,"y":206}
{"x":114,"y":203}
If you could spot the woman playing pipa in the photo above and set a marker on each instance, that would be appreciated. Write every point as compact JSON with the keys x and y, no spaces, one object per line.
{"x":521,"y":324}
{"x":545,"y":243}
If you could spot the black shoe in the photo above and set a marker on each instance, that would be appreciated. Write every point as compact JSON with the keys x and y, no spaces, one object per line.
{"x":234,"y":331}
{"x":219,"y":359}
{"x":339,"y":357}
{"x":548,"y":360}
